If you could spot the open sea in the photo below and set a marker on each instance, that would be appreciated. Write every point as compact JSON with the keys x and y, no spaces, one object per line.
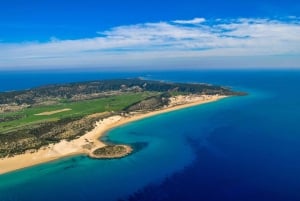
{"x":237,"y":149}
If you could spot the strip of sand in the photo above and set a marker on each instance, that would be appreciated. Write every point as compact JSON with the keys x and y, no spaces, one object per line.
{"x":53,"y":112}
{"x":88,"y":142}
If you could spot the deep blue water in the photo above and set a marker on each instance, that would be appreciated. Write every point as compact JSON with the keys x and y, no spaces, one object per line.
{"x":240,"y":148}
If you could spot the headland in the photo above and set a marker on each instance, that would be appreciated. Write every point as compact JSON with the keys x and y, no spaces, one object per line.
{"x":52,"y":122}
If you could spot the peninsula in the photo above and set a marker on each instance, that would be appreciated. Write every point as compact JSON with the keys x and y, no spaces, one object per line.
{"x":50,"y":122}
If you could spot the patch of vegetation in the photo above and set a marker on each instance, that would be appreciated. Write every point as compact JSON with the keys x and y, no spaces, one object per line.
{"x":110,"y":151}
{"x":150,"y":103}
{"x":7,"y":118}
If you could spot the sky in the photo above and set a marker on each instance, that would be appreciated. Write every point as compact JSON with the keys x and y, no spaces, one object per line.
{"x":156,"y":34}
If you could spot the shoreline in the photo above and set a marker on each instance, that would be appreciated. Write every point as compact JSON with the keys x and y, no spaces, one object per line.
{"x":91,"y":140}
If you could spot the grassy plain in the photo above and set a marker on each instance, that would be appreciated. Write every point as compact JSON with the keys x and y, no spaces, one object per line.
{"x":28,"y":116}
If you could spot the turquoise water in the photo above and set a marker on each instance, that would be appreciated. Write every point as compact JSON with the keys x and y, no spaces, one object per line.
{"x":239,"y":148}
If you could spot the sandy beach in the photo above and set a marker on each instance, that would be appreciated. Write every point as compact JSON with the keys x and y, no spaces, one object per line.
{"x":88,"y":142}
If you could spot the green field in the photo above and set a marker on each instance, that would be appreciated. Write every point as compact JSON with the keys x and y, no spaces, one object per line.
{"x":81,"y":108}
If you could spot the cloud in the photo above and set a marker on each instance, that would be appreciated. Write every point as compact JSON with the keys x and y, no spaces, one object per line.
{"x":193,"y":21}
{"x":235,"y":43}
